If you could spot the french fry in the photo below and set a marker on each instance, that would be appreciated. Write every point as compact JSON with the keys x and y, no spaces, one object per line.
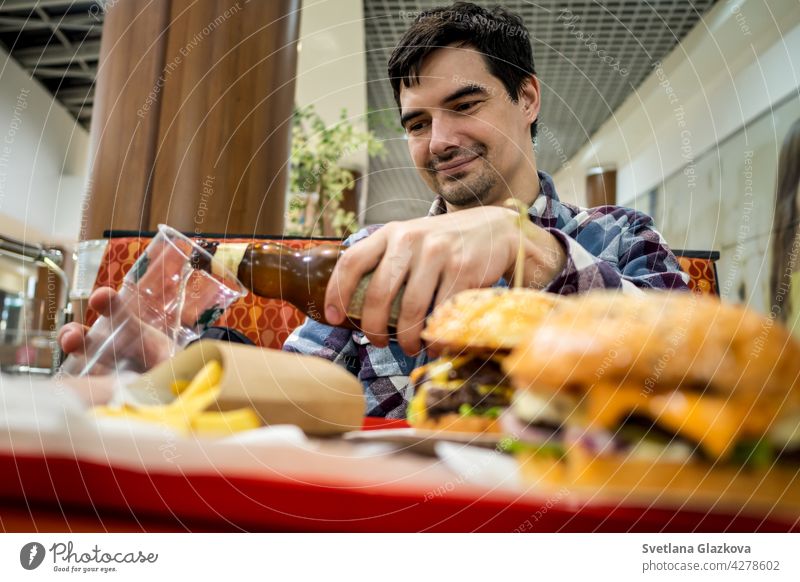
{"x":227,"y":422}
{"x":186,"y":411}
{"x":195,"y":403}
{"x":179,"y":386}
{"x":208,"y":377}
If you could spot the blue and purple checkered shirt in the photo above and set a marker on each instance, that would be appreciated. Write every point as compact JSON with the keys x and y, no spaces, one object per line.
{"x":607,"y":247}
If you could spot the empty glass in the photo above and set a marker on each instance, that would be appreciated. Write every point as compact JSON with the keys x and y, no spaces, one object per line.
{"x":165,"y":302}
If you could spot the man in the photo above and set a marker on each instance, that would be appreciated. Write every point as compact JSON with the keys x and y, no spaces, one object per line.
{"x":465,"y":84}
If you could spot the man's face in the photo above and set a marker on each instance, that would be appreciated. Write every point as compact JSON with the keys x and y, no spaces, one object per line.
{"x":466,"y":136}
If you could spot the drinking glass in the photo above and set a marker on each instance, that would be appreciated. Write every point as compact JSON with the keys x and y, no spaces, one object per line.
{"x":167,"y":300}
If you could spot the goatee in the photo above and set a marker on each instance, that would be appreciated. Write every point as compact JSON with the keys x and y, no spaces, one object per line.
{"x":473,"y":187}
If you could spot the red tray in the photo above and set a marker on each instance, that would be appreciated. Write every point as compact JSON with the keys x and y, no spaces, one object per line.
{"x":375,"y":423}
{"x":166,"y":502}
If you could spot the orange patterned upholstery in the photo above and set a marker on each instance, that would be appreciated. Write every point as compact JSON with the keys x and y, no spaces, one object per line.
{"x":702,"y":270}
{"x":267,"y":322}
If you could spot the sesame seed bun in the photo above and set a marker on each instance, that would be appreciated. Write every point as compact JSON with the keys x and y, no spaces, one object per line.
{"x":488,"y":319}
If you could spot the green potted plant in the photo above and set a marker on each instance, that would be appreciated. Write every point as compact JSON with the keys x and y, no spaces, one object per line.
{"x":317,"y":181}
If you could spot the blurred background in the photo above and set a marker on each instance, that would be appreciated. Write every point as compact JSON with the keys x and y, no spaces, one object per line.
{"x":276,"y":118}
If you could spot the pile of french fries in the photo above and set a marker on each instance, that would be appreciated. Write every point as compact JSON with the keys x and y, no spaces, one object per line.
{"x":187,"y":414}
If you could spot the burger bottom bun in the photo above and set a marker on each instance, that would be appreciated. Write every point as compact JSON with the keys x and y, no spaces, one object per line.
{"x":618,"y":479}
{"x":458,"y":423}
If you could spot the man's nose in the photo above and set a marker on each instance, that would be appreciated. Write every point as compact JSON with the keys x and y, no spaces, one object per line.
{"x":444,"y":137}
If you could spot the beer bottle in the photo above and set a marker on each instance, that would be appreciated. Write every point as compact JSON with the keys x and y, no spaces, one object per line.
{"x":299,"y":276}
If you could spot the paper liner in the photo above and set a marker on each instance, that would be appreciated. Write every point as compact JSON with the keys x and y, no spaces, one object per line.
{"x":283,"y":388}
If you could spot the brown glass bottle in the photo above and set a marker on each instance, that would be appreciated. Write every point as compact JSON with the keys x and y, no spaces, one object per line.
{"x":299,"y":276}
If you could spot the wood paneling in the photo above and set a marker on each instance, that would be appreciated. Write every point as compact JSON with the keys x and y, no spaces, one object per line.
{"x":225,"y":117}
{"x":216,"y":128}
{"x":123,"y":135}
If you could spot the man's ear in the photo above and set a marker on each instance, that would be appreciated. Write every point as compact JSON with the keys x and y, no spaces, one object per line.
{"x":529,"y":98}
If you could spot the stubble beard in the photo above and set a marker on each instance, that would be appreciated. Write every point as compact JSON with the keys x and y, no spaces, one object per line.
{"x":474,"y":187}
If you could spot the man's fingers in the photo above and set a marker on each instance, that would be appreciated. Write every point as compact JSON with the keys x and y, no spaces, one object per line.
{"x":102,"y":299}
{"x":139,"y":345}
{"x":417,"y":299}
{"x":354,"y":263}
{"x":453,"y":281}
{"x":386,"y":281}
{"x":71,"y":337}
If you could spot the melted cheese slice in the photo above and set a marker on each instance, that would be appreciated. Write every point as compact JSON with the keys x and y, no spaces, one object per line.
{"x":715,"y":423}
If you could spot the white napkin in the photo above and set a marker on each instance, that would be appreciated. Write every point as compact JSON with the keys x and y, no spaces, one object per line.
{"x":479,"y":466}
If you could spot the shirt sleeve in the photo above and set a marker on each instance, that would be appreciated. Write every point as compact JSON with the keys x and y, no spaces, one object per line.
{"x":332,"y":343}
{"x":383,"y":372}
{"x":616,"y":248}
{"x":384,"y":375}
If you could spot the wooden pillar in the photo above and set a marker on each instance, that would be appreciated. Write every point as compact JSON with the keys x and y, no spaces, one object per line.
{"x":123,"y":144}
{"x":214,"y":119}
{"x":601,"y":186}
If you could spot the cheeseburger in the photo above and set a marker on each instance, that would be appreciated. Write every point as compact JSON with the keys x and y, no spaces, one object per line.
{"x":672,"y":396}
{"x":466,"y":388}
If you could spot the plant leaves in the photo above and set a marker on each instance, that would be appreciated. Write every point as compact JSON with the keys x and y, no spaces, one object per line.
{"x":317,"y":149}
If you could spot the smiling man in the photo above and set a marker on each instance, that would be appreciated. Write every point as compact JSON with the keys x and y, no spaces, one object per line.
{"x":469,"y":99}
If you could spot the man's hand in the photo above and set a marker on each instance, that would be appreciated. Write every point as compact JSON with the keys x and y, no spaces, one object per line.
{"x":436,"y":257}
{"x":72,"y":337}
{"x":139,"y":344}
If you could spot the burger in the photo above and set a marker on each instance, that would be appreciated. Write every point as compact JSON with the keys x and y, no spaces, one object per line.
{"x":466,"y":390}
{"x":671,"y":396}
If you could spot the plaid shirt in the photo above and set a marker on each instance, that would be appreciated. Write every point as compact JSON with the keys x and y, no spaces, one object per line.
{"x":607,"y":247}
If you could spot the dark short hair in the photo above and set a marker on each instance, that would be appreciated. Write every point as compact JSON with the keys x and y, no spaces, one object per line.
{"x":499,"y":35}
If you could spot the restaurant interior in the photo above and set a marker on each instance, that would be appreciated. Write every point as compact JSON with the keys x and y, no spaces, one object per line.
{"x":273,"y":127}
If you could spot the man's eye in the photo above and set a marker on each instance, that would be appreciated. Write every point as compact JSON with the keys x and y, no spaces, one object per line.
{"x":416,"y":127}
{"x":461,"y":107}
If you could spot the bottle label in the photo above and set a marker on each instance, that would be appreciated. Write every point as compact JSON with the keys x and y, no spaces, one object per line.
{"x":356,"y":307}
{"x":228,"y":256}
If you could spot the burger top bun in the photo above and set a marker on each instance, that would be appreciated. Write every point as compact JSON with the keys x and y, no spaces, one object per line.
{"x":488,"y":319}
{"x":661,"y":340}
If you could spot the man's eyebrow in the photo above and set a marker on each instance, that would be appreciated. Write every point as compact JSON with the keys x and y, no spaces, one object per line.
{"x":454,"y":96}
{"x":406,"y":117}
{"x":464,"y":92}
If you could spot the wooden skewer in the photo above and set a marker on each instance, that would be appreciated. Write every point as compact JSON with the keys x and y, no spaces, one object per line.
{"x":524,"y":228}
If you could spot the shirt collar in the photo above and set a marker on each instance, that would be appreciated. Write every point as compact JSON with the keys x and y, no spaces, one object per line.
{"x":542,"y":209}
